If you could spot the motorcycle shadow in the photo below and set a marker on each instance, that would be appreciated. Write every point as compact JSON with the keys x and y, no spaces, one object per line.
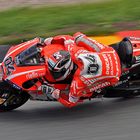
{"x":43,"y":112}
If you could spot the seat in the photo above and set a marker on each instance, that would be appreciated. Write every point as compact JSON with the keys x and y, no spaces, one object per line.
{"x":125,"y":51}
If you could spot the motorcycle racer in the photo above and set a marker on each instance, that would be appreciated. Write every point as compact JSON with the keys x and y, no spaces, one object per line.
{"x":89,"y":66}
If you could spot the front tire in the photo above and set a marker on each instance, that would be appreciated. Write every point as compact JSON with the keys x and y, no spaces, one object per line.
{"x":10,"y":98}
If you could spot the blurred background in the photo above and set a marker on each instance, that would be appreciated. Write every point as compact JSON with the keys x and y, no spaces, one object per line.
{"x":26,"y":19}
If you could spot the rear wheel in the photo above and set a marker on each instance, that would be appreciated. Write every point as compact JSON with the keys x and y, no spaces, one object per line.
{"x":11,"y":98}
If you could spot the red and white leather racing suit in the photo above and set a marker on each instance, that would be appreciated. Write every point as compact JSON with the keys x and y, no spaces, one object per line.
{"x":84,"y":52}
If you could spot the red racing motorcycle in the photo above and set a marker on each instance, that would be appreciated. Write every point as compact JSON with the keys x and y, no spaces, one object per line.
{"x":23,"y":68}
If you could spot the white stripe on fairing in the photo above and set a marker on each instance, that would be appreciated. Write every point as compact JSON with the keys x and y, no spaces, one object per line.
{"x":103,"y":77}
{"x":22,"y":73}
{"x":18,"y":49}
{"x":135,"y":50}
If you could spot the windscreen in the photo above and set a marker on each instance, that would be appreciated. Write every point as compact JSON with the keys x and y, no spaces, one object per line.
{"x":30,"y":56}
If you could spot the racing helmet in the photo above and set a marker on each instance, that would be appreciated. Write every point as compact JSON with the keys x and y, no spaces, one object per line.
{"x":60,"y":65}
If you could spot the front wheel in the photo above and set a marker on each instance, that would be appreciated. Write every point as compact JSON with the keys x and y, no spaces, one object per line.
{"x":11,"y":99}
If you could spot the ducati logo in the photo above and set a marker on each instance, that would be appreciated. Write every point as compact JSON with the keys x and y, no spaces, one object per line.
{"x":9,"y":65}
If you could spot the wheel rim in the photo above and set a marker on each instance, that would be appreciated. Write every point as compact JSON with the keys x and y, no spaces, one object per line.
{"x":2,"y":101}
{"x":11,"y":98}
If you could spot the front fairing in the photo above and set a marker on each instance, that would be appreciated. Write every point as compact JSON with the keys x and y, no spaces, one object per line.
{"x":18,"y":75}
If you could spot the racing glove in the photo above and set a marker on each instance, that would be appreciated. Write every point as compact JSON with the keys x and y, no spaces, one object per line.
{"x":56,"y":94}
{"x":50,"y":91}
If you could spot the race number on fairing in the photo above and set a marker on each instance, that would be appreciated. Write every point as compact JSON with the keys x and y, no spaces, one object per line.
{"x":9,"y":65}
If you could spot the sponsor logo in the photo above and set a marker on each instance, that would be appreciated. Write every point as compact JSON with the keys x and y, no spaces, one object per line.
{"x":33,"y":75}
{"x":107,"y":64}
{"x":111,"y":64}
{"x":99,"y":86}
{"x":88,"y":82}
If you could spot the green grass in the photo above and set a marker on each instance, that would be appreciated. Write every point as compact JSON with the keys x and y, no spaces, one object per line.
{"x":92,"y":19}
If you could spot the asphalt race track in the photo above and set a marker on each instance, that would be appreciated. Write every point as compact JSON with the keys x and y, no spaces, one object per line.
{"x":99,"y":119}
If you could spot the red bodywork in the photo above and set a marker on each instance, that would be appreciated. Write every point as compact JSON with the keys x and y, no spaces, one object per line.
{"x":18,"y":75}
